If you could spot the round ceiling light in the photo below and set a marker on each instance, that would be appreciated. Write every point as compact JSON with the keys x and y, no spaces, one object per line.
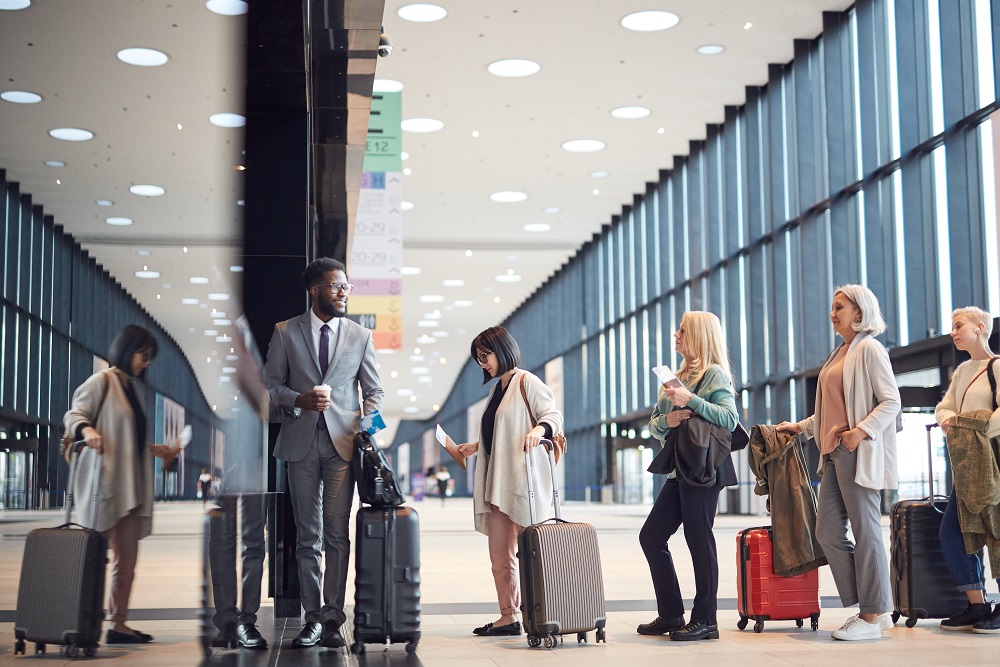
{"x":711,"y":49}
{"x":507,"y":278}
{"x":550,"y":209}
{"x":650,"y":21}
{"x":463,"y":303}
{"x":198,"y":280}
{"x":386,"y":86}
{"x":71,"y":134}
{"x":406,"y":205}
{"x":421,"y":125}
{"x":21,"y":97}
{"x":14,"y":4}
{"x":422,"y":13}
{"x":630,"y":113}
{"x":411,"y":409}
{"x":104,"y":202}
{"x":427,"y":324}
{"x":147,"y":190}
{"x":119,"y":222}
{"x":236,"y":268}
{"x":189,"y":302}
{"x":147,"y":274}
{"x":218,"y":296}
{"x":419,"y":370}
{"x":227,"y":7}
{"x":583,"y":145}
{"x":509,"y":197}
{"x":599,"y":174}
{"x":410,"y":270}
{"x":453,"y":282}
{"x":404,"y":156}
{"x":142,"y":57}
{"x":431,"y":298}
{"x":513,"y":67}
{"x":55,"y":163}
{"x":227,"y":120}
{"x":537,"y":227}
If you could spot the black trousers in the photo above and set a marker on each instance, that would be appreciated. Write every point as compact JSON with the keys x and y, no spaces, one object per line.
{"x":694,"y":507}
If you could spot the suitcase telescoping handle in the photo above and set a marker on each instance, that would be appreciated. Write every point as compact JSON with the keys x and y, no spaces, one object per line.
{"x":552,"y":470}
{"x":74,"y":471}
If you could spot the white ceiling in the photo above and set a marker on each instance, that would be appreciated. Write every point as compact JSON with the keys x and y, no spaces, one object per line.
{"x":65,"y":51}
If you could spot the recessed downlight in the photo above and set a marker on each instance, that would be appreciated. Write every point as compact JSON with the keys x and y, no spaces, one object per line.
{"x":513,"y":67}
{"x":422,"y":13}
{"x":189,"y":301}
{"x":147,"y":190}
{"x":421,"y":125}
{"x":550,"y":209}
{"x":236,"y":268}
{"x":711,"y":49}
{"x":14,"y":4}
{"x":599,"y":174}
{"x":198,"y":280}
{"x":420,"y":370}
{"x":143,"y":57}
{"x":427,"y":324}
{"x":404,"y":156}
{"x":55,"y":163}
{"x":227,"y":119}
{"x":119,"y":222}
{"x":104,"y":202}
{"x":453,"y":282}
{"x":536,"y":227}
{"x":630,"y":113}
{"x":227,"y":7}
{"x":406,"y":205}
{"x":222,"y":322}
{"x":507,"y":278}
{"x":462,"y":303}
{"x":218,"y":296}
{"x":650,"y":21}
{"x":386,"y":86}
{"x":508,"y":197}
{"x":21,"y":97}
{"x":410,"y":270}
{"x":147,"y":274}
{"x":583,"y":145}
{"x":71,"y":134}
{"x":431,"y":298}
{"x":410,"y":409}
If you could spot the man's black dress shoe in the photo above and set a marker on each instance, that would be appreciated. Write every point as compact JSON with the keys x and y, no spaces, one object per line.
{"x":134,"y":637}
{"x":661,"y":625}
{"x":309,"y":636}
{"x":331,"y":636}
{"x":249,"y":636}
{"x":490,"y":630}
{"x":226,"y":637}
{"x":694,"y":631}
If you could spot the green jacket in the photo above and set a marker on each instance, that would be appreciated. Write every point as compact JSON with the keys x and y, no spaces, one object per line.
{"x":974,"y":462}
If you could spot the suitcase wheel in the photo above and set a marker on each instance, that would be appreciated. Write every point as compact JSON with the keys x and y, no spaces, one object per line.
{"x":814,"y":622}
{"x":411,"y":646}
{"x":357,"y":648}
{"x":72,"y":651}
{"x":910,"y":622}
{"x":601,"y":636}
{"x":19,"y":647}
{"x":549,"y":642}
{"x":742,"y":623}
{"x":895,"y":617}
{"x":581,"y":638}
{"x":90,"y":651}
{"x":758,"y":626}
{"x":798,"y":622}
{"x":39,"y":648}
{"x":534,"y":641}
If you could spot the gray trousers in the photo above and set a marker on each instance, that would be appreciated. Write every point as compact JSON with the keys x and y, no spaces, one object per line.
{"x":322,"y":490}
{"x":860,"y":568}
{"x":222,"y":543}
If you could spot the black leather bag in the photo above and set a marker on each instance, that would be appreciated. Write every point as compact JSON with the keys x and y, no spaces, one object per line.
{"x":696,"y":449}
{"x":377,"y":484}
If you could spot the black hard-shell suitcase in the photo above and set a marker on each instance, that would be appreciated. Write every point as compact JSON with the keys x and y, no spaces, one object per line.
{"x":387,"y":577}
{"x":562,"y":586}
{"x":60,"y":596}
{"x":922,"y":585}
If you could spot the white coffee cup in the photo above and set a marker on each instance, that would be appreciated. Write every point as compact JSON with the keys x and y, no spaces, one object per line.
{"x":324,"y":389}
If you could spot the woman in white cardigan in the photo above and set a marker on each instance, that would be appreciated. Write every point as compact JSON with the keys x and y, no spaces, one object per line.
{"x":500,"y":494}
{"x":108,"y":413}
{"x":854,"y":424}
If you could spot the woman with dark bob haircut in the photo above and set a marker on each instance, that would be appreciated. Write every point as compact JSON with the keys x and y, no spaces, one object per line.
{"x":513,"y":422}
{"x":108,"y":413}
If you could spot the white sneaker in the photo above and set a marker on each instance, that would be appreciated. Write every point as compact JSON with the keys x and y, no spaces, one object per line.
{"x":856,"y":629}
{"x":885,"y":622}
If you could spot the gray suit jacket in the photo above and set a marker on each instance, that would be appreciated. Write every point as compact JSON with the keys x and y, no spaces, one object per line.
{"x":292,"y":368}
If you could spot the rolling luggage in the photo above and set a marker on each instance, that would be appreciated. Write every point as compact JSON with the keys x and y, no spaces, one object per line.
{"x":922,"y":585}
{"x":387,"y":577}
{"x":764,"y":596}
{"x":562,"y":587}
{"x":61,"y":592}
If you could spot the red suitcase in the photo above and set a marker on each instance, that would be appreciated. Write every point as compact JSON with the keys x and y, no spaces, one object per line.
{"x":764,"y":596}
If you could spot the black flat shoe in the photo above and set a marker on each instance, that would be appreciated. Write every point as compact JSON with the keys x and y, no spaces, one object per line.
{"x":661,"y":625}
{"x":694,"y":631}
{"x":490,"y":630}
{"x":134,"y":637}
{"x":309,"y":635}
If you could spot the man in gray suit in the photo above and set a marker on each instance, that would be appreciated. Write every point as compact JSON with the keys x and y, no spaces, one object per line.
{"x":317,"y":433}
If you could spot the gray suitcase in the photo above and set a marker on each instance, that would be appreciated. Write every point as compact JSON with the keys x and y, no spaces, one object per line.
{"x":562,"y":586}
{"x":59,"y":599}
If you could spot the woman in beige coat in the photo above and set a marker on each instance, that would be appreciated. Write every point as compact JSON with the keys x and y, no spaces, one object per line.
{"x":107,"y":413}
{"x":500,"y":494}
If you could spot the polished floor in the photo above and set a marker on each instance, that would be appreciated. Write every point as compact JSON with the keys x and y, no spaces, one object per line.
{"x":457,"y":595}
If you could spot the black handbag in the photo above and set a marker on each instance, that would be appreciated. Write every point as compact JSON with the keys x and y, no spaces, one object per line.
{"x":377,"y":484}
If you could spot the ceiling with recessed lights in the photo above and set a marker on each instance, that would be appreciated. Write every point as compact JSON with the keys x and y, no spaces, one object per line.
{"x":527,"y":126}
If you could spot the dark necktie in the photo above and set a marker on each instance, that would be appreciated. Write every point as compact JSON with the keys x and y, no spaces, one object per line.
{"x":324,"y":363}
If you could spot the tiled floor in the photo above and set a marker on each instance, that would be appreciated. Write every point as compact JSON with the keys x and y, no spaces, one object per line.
{"x":457,"y":595}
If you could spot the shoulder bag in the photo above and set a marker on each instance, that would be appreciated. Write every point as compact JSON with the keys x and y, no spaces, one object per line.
{"x":558,"y":439}
{"x":69,"y":439}
{"x":377,"y":483}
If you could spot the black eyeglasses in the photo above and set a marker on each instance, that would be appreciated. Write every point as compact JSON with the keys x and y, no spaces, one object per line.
{"x":346,"y":288}
{"x":146,"y":355}
{"x":483,"y":357}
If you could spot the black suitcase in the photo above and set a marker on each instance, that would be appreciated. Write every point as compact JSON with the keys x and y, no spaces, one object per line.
{"x":922,"y":585}
{"x":60,"y":595}
{"x":562,"y":586}
{"x":387,"y":577}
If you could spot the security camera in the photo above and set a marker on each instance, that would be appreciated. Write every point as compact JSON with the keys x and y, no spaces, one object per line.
{"x":384,"y":44}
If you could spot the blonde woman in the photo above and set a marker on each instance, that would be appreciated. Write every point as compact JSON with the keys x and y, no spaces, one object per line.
{"x":854,"y":424}
{"x":969,"y":390}
{"x":707,"y":391}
